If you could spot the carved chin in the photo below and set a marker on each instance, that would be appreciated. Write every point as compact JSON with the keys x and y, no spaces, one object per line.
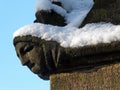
{"x":41,"y":72}
{"x":44,"y":75}
{"x":35,"y":69}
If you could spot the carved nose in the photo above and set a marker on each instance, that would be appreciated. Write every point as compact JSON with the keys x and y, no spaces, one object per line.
{"x":22,"y":58}
{"x":25,"y":62}
{"x":22,"y":51}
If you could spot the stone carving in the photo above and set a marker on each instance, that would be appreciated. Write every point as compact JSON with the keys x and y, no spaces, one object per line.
{"x":46,"y":57}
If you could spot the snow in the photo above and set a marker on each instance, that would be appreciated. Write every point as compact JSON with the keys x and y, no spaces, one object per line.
{"x":91,"y":34}
{"x":43,"y":5}
{"x":70,"y":35}
{"x":74,"y":11}
{"x":59,"y":10}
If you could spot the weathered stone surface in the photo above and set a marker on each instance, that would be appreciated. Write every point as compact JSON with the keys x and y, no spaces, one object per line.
{"x":50,"y":17}
{"x":106,"y":78}
{"x":47,"y":57}
{"x":104,"y":11}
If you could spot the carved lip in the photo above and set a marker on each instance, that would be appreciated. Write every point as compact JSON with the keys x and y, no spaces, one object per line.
{"x":30,"y":65}
{"x":33,"y":67}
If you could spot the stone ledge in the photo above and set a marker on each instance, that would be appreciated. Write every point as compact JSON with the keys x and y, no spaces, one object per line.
{"x":106,"y":78}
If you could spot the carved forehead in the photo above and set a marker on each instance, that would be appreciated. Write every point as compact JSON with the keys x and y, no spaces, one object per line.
{"x":28,"y":40}
{"x":34,"y":41}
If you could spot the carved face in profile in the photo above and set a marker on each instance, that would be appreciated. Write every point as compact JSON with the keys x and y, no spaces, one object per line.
{"x":37,"y":55}
{"x":43,"y":57}
{"x":33,"y":57}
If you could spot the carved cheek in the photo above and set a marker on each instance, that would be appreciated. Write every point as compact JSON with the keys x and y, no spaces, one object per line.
{"x":22,"y":53}
{"x":36,"y":56}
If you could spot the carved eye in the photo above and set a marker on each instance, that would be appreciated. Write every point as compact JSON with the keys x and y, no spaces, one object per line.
{"x":26,"y":49}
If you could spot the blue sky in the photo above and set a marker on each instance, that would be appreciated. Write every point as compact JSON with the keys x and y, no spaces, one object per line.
{"x":13,"y":76}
